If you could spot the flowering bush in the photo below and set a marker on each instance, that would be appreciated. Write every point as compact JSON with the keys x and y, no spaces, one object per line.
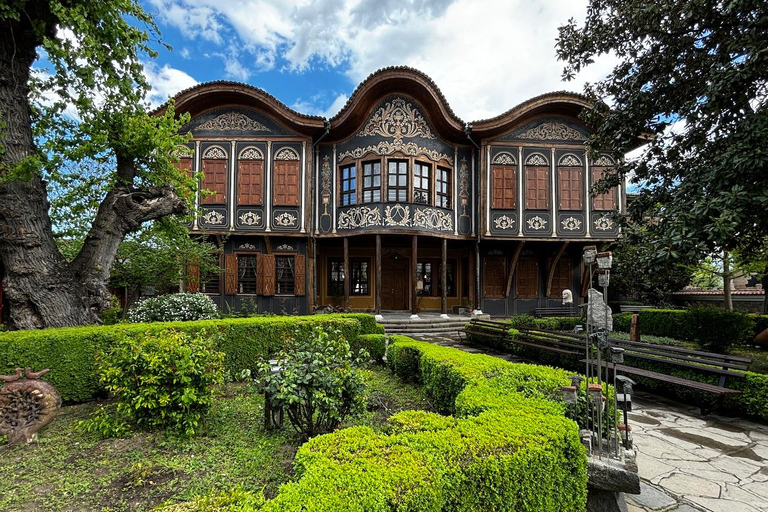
{"x":174,"y":308}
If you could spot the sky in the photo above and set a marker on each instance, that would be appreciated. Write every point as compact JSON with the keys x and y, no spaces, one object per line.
{"x":486,"y":56}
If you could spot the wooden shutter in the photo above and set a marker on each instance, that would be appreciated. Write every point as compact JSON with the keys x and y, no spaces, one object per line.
{"x":494,"y":277}
{"x":536,"y":188}
{"x":571,"y":187}
{"x":230,"y":274}
{"x":504,"y":186}
{"x":185,"y":166}
{"x":250,"y":182}
{"x":299,"y":287}
{"x":605,"y":201}
{"x":286,"y":183}
{"x":562,"y":278}
{"x":265,"y":274}
{"x":193,"y":277}
{"x":215,"y":179}
{"x":527,"y":282}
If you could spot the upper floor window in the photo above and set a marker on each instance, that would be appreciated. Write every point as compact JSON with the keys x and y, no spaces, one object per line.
{"x":422,"y":179}
{"x":184,"y":154}
{"x":443,"y":187}
{"x":371,"y":182}
{"x":571,"y":183}
{"x":286,"y":175}
{"x":397,"y":185}
{"x":603,"y":165}
{"x":348,"y":185}
{"x":504,"y":181}
{"x":250,"y":176}
{"x":536,"y":182}
{"x":214,"y":175}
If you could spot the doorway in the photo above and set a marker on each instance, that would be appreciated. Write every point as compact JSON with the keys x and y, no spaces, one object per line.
{"x":394,"y":285}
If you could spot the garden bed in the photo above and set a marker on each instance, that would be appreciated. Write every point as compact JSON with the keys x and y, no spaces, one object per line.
{"x":69,"y":470}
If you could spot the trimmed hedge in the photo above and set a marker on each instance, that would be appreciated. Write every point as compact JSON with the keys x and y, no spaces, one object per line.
{"x":71,"y":352}
{"x":554,"y":323}
{"x":374,"y":344}
{"x":509,"y":446}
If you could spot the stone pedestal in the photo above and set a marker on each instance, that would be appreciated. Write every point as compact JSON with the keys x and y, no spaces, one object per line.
{"x":608,"y":481}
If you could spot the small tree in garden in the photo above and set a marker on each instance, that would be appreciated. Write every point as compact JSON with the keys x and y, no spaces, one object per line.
{"x":319,"y":385}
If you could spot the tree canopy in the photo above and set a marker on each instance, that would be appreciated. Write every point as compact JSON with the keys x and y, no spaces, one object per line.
{"x":692,"y":84}
{"x":73,"y":116}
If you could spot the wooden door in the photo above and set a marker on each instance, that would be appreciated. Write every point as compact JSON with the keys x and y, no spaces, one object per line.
{"x":394,"y":286}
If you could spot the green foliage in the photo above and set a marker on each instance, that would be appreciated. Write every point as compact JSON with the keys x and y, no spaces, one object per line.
{"x":175,"y":307}
{"x":106,"y":424}
{"x":553,"y":323}
{"x":622,"y":322}
{"x":318,"y":386}
{"x":71,"y":352}
{"x":373,"y":344}
{"x":701,"y":64}
{"x":163,"y":380}
{"x":717,"y":329}
{"x":232,"y":500}
{"x":114,"y":314}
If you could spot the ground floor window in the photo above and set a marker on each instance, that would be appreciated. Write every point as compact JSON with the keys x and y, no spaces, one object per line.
{"x":360,"y":278}
{"x":284,"y":275}
{"x":210,"y":282}
{"x":246,"y":274}
{"x":430,"y":272}
{"x":527,"y":283}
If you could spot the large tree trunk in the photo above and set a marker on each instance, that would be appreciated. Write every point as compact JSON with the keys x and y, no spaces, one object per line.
{"x":42,"y":289}
{"x":727,"y":276}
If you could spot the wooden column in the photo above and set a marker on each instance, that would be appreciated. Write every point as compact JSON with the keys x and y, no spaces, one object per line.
{"x":414,"y":256}
{"x":378,"y":274}
{"x":347,"y":274}
{"x":444,"y":278}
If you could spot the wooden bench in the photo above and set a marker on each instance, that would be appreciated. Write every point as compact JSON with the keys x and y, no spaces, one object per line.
{"x":633,"y":309}
{"x":485,"y":329}
{"x":557,"y":311}
{"x":552,"y":341}
{"x":707,"y":363}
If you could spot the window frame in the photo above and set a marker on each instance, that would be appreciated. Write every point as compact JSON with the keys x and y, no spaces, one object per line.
{"x":533,"y":175}
{"x":443,"y":197}
{"x":576,"y":193}
{"x":348,"y":184}
{"x":284,"y":280}
{"x":366,"y":189}
{"x":400,"y":164}
{"x":421,"y":175}
{"x":600,"y":199}
{"x":210,"y":179}
{"x":507,"y":199}
{"x":241,"y":257}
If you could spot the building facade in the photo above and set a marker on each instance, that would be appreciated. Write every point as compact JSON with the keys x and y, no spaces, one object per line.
{"x":395,"y":203}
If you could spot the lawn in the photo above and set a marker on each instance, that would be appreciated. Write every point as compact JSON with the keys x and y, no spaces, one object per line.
{"x":70,"y":470}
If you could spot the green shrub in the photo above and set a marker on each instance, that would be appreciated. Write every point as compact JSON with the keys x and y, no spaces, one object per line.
{"x":373,"y":344}
{"x":622,"y":322}
{"x":174,"y":307}
{"x":163,"y":380}
{"x":717,"y":329}
{"x":71,"y":352}
{"x":553,"y":323}
{"x":319,"y":386}
{"x":672,"y":323}
{"x":368,"y":324}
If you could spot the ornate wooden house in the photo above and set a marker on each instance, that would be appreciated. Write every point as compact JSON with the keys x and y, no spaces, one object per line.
{"x":395,"y":203}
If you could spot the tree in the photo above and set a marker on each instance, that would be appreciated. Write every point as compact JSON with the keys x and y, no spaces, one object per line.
{"x":692,"y":81}
{"x":85,"y":104}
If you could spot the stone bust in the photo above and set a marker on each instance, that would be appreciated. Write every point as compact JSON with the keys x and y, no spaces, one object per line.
{"x":567,"y":297}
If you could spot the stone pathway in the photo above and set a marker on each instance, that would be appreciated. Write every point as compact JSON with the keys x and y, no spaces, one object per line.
{"x":686,"y":463}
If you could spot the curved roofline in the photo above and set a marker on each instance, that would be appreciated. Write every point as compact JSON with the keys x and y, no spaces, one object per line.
{"x":394,"y":80}
{"x":557,"y":102}
{"x":212,"y":95}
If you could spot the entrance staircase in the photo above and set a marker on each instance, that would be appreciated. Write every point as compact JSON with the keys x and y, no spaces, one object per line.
{"x":427,"y":323}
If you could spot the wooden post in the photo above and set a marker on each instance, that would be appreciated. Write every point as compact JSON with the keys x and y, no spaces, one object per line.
{"x":347,"y":274}
{"x":378,"y":275}
{"x":444,"y":278}
{"x":634,"y":330}
{"x":471,"y":278}
{"x":414,"y":256}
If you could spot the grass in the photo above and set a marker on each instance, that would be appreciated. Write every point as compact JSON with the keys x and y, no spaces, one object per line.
{"x":70,"y":470}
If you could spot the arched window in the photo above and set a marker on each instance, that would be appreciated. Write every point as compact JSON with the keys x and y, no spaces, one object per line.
{"x":286,"y":178}
{"x":215,"y":175}
{"x":536,"y":182}
{"x":570,"y":174}
{"x":504,"y":181}
{"x":250,"y":176}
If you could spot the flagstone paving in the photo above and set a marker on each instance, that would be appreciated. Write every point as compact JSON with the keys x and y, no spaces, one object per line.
{"x":686,"y":463}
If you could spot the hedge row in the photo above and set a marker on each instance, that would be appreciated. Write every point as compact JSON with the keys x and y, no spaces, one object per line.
{"x":71,"y":352}
{"x":705,"y":325}
{"x":508,"y":446}
{"x":751,"y":402}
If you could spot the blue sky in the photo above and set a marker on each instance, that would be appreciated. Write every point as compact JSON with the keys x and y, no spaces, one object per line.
{"x":485,"y":55}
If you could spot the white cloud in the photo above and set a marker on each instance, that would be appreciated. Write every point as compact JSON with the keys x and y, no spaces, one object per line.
{"x":311,"y":107}
{"x":165,"y":82}
{"x":485,"y":55}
